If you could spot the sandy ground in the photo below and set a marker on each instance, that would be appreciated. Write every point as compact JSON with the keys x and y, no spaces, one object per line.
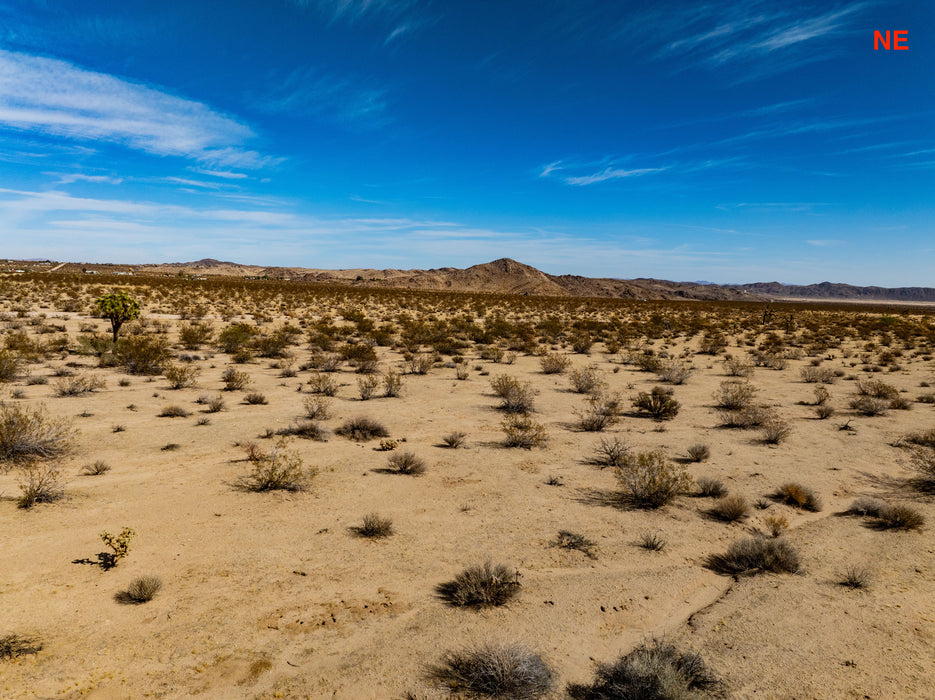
{"x":271,"y":594}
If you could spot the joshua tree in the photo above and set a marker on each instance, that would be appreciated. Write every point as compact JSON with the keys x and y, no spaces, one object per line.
{"x":118,"y":307}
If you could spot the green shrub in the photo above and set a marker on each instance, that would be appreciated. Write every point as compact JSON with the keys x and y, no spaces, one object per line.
{"x":142,"y":354}
{"x":523,"y":431}
{"x":651,"y":480}
{"x":277,"y":471}
{"x":659,"y":403}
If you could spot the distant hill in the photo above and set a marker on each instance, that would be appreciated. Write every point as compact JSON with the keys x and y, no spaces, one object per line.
{"x":838,"y":291}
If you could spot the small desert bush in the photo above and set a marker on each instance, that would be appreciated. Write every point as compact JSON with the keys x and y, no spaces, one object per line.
{"x":673,"y":372}
{"x":96,"y":468}
{"x":234,"y":379}
{"x":278,"y":470}
{"x":899,"y":517}
{"x":698,"y":453}
{"x":486,"y":585}
{"x":922,"y":461}
{"x":751,"y":416}
{"x":193,"y":335}
{"x":462,"y":372}
{"x":374,"y":526}
{"x":870,"y":405}
{"x":710,"y":488}
{"x":572,"y":540}
{"x":10,"y":363}
{"x":799,"y":496}
{"x":406,"y":463}
{"x":735,"y":367}
{"x":27,"y":433}
{"x":755,"y":555}
{"x":656,"y":671}
{"x":776,"y":524}
{"x":78,"y":385}
{"x":40,"y":483}
{"x":653,"y":541}
{"x":822,"y":395}
{"x":867,"y":505}
{"x":523,"y":431}
{"x":119,"y":547}
{"x":824,"y":411}
{"x":651,"y":480}
{"x":454,"y":439}
{"x":731,"y":508}
{"x":600,"y":412}
{"x":255,"y":398}
{"x":367,"y":386}
{"x":323,"y":384}
{"x":659,"y":403}
{"x":611,"y":453}
{"x":515,"y":396}
{"x":554,"y":363}
{"x":775,"y":431}
{"x":174,"y":412}
{"x":420,"y":363}
{"x":856,"y":577}
{"x":734,"y":395}
{"x":362,"y":428}
{"x":392,"y":384}
{"x":141,"y":590}
{"x":497,"y":670}
{"x":181,"y":376}
{"x":213,"y":404}
{"x":13,"y":646}
{"x":586,"y":380}
{"x":316,"y":407}
{"x":142,"y":354}
{"x":306,"y":429}
{"x":813,"y":375}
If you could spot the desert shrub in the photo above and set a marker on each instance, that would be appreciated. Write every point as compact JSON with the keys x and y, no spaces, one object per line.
{"x":34,"y":379}
{"x":554,"y":363}
{"x":673,"y":372}
{"x":870,"y":405}
{"x":734,"y":395}
{"x":751,"y":416}
{"x":454,"y":439}
{"x":142,"y":354}
{"x":856,"y":577}
{"x":498,"y":670}
{"x":323,"y":384}
{"x":876,"y":388}
{"x":78,"y":385}
{"x":13,"y":646}
{"x":731,"y":508}
{"x":523,"y":431}
{"x":586,"y":380}
{"x":10,"y":363}
{"x":362,"y":428}
{"x":653,"y":541}
{"x":755,"y":555}
{"x":306,"y":429}
{"x":316,"y":407}
{"x":710,"y":488}
{"x":656,"y":671}
{"x":659,"y":403}
{"x":27,"y":433}
{"x":651,"y":480}
{"x":141,"y":590}
{"x":813,"y":375}
{"x":582,"y":343}
{"x":646,"y":361}
{"x":899,"y":518}
{"x":213,"y":404}
{"x":515,"y":396}
{"x":611,"y":453}
{"x":406,"y":463}
{"x":193,"y":335}
{"x":794,"y":494}
{"x":776,"y":524}
{"x":367,"y":386}
{"x":712,"y":343}
{"x":572,"y":540}
{"x":392,"y":384}
{"x":96,"y":468}
{"x":358,"y":352}
{"x":40,"y":483}
{"x":924,"y":439}
{"x":775,"y":432}
{"x":822,"y":395}
{"x":277,"y":471}
{"x":182,"y":376}
{"x":235,"y":337}
{"x":600,"y":412}
{"x":824,"y":412}
{"x":420,"y":363}
{"x":462,"y":372}
{"x":735,"y":367}
{"x":323,"y":362}
{"x":255,"y":398}
{"x":119,"y":547}
{"x":388,"y":445}
{"x":234,"y":379}
{"x":487,"y":585}
{"x":374,"y":526}
{"x":866,"y":506}
{"x":698,"y":452}
{"x":174,"y":412}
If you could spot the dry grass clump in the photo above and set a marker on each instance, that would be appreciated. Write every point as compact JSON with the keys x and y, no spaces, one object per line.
{"x":234,"y":380}
{"x":174,"y":412}
{"x":751,"y":416}
{"x":367,"y":386}
{"x":736,"y":367}
{"x":29,"y":433}
{"x":554,"y":363}
{"x":141,"y":590}
{"x":497,"y":670}
{"x":775,"y":431}
{"x":734,"y":395}
{"x":866,"y":505}
{"x":362,"y":429}
{"x":572,"y":540}
{"x":316,"y":407}
{"x":731,"y":508}
{"x":814,"y":375}
{"x":454,"y":439}
{"x":922,"y":461}
{"x":857,"y":578}
{"x":523,"y":431}
{"x":756,"y":555}
{"x":698,"y":452}
{"x":710,"y":488}
{"x":601,"y":411}
{"x":775,"y":524}
{"x":797,"y":495}
{"x":255,"y":398}
{"x":586,"y":380}
{"x":306,"y":429}
{"x":374,"y":527}
{"x":515,"y":396}
{"x":78,"y":385}
{"x":659,"y":403}
{"x":392,"y":384}
{"x":611,"y":453}
{"x":278,"y":470}
{"x":656,"y":671}
{"x":13,"y":646}
{"x":824,"y":411}
{"x":651,"y":480}
{"x":652,"y":541}
{"x":673,"y":372}
{"x":40,"y":483}
{"x":96,"y":468}
{"x":406,"y":463}
{"x":182,"y":376}
{"x":486,"y":585}
{"x":899,"y":517}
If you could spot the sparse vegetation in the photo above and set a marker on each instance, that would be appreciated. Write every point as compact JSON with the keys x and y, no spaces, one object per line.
{"x":277,"y":470}
{"x":651,"y":480}
{"x":406,"y":463}
{"x":30,"y":433}
{"x":755,"y":555}
{"x":141,"y":590}
{"x":731,"y":508}
{"x":523,"y":431}
{"x":659,"y":403}
{"x":486,"y":585}
{"x":572,"y":540}
{"x":40,"y":483}
{"x":454,"y":439}
{"x":497,"y":670}
{"x":798,"y":496}
{"x":374,"y":527}
{"x":12,"y":646}
{"x":362,"y":428}
{"x":698,"y":453}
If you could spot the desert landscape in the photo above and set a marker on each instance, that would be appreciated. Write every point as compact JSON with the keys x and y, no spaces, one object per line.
{"x":273,"y":488}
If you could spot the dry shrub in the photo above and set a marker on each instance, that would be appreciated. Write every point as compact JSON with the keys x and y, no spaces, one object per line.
{"x":141,"y":590}
{"x":392,"y":384}
{"x":698,"y":453}
{"x":731,"y":508}
{"x":776,"y":524}
{"x":572,"y":540}
{"x":487,"y":585}
{"x":78,"y":385}
{"x":659,"y":403}
{"x":142,"y":354}
{"x":406,"y":463}
{"x":794,"y":494}
{"x":174,"y":412}
{"x":710,"y":488}
{"x":278,"y":470}
{"x":899,"y":518}
{"x":28,"y":433}
{"x":499,"y":670}
{"x":454,"y":439}
{"x":824,"y":411}
{"x":656,"y":671}
{"x":515,"y":396}
{"x":735,"y":367}
{"x":523,"y":431}
{"x":776,"y":431}
{"x":674,"y":372}
{"x":367,"y":386}
{"x":586,"y":381}
{"x":651,"y":480}
{"x":866,"y":505}
{"x":306,"y":429}
{"x":822,"y":395}
{"x":734,"y":395}
{"x":554,"y":363}
{"x":40,"y":483}
{"x":362,"y":428}
{"x":856,"y":577}
{"x":755,"y":555}
{"x":813,"y":375}
{"x":420,"y":363}
{"x":316,"y":407}
{"x":96,"y":468}
{"x":13,"y":646}
{"x":611,"y":453}
{"x":652,"y":541}
{"x":922,"y":461}
{"x":181,"y":376}
{"x":234,"y":380}
{"x":10,"y":363}
{"x":601,"y":411}
{"x":751,"y":416}
{"x":870,"y":405}
{"x":323,"y":384}
{"x":374,"y":526}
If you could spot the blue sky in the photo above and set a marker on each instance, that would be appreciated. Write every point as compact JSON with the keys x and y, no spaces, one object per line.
{"x":724,"y":141}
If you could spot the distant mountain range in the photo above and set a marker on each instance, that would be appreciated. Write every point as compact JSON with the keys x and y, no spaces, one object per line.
{"x":506,"y":276}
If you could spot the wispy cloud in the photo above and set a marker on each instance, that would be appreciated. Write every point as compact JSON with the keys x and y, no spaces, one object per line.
{"x":224,"y":174}
{"x":825,"y":242}
{"x":69,"y":178}
{"x":55,"y":98}
{"x":352,"y":11}
{"x":610,"y":174}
